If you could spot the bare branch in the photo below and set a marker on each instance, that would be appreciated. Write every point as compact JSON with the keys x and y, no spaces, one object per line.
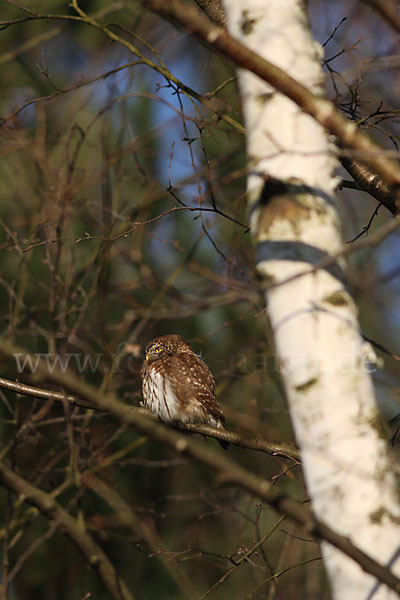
{"x":323,"y":111}
{"x":370,"y":182}
{"x":128,"y":517}
{"x":94,"y":555}
{"x":236,"y":439}
{"x":29,"y":390}
{"x":218,"y":462}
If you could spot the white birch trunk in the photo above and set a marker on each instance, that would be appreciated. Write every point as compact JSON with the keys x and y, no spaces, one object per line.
{"x":329,"y":389}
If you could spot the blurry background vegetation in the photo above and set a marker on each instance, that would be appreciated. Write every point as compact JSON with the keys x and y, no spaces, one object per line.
{"x":100,"y":155}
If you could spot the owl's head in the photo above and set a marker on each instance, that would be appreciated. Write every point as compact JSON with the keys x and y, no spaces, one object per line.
{"x":165,"y":345}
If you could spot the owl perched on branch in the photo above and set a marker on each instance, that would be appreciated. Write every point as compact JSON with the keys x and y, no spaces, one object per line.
{"x":177,"y":385}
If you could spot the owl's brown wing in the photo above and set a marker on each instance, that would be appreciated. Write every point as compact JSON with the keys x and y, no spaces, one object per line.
{"x":193,"y":381}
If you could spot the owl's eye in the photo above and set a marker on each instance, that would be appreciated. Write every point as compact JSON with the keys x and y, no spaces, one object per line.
{"x":157,"y":349}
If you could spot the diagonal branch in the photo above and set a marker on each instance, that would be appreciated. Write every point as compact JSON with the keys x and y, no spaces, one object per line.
{"x":324,"y":112}
{"x":283,"y":450}
{"x":226,"y":469}
{"x":129,"y":518}
{"x":211,"y":103}
{"x":49,"y":507}
{"x":368,"y":181}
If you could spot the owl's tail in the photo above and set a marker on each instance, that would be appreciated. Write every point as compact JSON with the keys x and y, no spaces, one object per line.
{"x":224,"y":444}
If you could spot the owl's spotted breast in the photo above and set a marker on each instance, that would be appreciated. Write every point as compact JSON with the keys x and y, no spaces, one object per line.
{"x":159,"y":396}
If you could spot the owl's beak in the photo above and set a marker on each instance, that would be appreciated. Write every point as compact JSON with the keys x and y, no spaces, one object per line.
{"x":147,"y":357}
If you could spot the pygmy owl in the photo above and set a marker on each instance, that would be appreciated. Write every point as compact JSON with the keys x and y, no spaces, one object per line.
{"x":177,"y":385}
